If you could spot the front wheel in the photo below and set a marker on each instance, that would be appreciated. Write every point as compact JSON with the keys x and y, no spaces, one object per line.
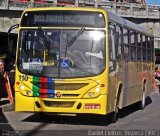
{"x":114,"y":115}
{"x":143,"y":101}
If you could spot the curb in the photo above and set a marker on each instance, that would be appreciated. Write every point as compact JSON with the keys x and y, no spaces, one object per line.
{"x":8,"y":108}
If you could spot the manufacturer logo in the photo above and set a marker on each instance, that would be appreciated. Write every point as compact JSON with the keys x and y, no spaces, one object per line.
{"x":58,"y":94}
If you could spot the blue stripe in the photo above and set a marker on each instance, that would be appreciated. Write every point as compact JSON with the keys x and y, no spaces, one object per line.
{"x":50,"y":91}
{"x":50,"y":80}
{"x":50,"y":96}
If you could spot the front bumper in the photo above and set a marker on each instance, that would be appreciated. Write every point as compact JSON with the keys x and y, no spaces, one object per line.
{"x":69,"y":106}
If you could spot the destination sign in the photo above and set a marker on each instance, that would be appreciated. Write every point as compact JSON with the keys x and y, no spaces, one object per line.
{"x":63,"y":18}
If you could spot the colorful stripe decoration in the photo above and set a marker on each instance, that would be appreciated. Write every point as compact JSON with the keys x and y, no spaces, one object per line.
{"x":43,"y":87}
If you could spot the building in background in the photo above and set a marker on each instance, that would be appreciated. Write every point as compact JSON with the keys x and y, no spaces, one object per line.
{"x":130,"y":1}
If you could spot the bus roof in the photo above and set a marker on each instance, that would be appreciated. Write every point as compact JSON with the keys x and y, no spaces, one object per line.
{"x":128,"y":24}
{"x":64,"y":8}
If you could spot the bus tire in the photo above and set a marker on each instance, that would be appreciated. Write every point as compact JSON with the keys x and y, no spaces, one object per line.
{"x":143,"y":101}
{"x":114,"y":115}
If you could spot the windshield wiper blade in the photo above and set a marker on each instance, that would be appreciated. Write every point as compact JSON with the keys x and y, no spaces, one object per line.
{"x":73,"y":39}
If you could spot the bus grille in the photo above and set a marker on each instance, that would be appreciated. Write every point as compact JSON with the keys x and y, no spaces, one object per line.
{"x":46,"y":95}
{"x":59,"y":86}
{"x":69,"y":86}
{"x":70,"y":95}
{"x":64,"y":104}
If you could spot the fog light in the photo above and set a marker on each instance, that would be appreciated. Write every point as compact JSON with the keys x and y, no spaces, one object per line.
{"x":91,"y":94}
{"x":28,"y":92}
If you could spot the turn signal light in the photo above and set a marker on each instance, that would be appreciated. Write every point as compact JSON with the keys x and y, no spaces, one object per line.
{"x":17,"y":83}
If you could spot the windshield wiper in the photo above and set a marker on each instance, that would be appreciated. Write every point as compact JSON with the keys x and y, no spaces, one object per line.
{"x":45,"y":40}
{"x":73,"y":39}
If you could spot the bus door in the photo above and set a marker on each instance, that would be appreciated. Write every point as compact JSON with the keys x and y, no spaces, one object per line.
{"x":112,"y":78}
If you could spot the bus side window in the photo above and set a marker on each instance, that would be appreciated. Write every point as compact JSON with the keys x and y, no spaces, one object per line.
{"x":139,"y":48}
{"x":112,"y":51}
{"x":144,"y":48}
{"x":133,"y":44}
{"x":119,"y":42}
{"x":149,"y":49}
{"x":126,"y":44}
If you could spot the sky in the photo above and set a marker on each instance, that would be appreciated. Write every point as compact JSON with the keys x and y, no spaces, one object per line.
{"x":154,"y":2}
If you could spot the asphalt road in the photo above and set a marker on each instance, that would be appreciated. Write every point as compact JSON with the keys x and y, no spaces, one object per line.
{"x":132,"y":122}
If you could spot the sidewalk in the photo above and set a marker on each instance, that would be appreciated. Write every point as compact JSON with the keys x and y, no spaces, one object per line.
{"x":5,"y":125}
{"x":5,"y":105}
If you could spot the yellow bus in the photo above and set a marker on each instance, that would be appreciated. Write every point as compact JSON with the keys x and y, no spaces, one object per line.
{"x":74,"y":60}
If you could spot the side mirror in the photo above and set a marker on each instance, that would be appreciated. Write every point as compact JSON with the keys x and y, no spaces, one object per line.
{"x":11,"y":43}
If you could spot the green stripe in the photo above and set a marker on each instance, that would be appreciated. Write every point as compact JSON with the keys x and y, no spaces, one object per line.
{"x":35,"y":79}
{"x":35,"y":88}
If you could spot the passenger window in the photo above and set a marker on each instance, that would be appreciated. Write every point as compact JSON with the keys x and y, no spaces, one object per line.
{"x":125,"y":36}
{"x":144,"y":48}
{"x":133,"y":53}
{"x":126,"y":44}
{"x":133,"y":45}
{"x":119,"y":43}
{"x":132,"y":40}
{"x":149,"y":49}
{"x":112,"y":52}
{"x":139,"y":48}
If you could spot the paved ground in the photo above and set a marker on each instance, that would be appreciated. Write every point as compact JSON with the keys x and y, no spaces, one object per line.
{"x":141,"y":121}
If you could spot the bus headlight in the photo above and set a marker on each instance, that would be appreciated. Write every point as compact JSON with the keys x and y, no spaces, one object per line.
{"x":22,"y":87}
{"x":25,"y":90}
{"x":97,"y":89}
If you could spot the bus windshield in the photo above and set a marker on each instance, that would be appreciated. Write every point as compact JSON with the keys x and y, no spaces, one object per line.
{"x":51,"y":53}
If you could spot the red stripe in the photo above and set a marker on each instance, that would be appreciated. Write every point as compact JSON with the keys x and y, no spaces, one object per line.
{"x":43,"y":95}
{"x":43,"y":79}
{"x":45,"y":91}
